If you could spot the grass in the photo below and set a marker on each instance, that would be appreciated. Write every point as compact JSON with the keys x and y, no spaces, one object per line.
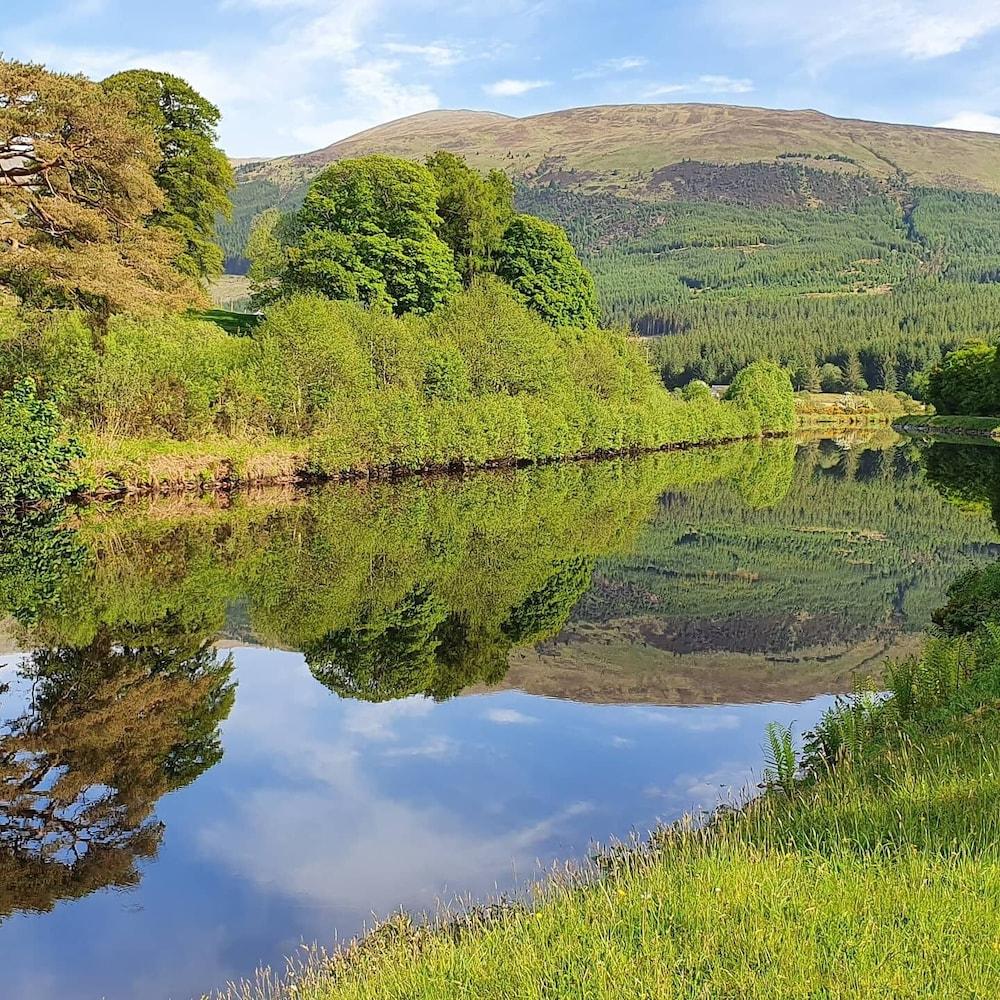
{"x":879,"y":878}
{"x":821,"y":409}
{"x":116,"y":464}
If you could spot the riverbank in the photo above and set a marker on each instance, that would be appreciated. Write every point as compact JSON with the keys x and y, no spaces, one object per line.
{"x":879,"y":877}
{"x":943,"y":426}
{"x":134,"y":466}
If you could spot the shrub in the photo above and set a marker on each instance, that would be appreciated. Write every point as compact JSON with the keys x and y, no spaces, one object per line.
{"x":36,"y":455}
{"x":765,"y":387}
{"x":973,"y":599}
{"x":965,"y":382}
{"x":696,"y":389}
{"x":173,"y":375}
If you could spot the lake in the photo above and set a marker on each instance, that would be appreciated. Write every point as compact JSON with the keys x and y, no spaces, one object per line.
{"x":231,"y":726}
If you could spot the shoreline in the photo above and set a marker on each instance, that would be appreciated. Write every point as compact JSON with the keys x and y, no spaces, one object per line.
{"x":211,"y":469}
{"x":224,"y":480}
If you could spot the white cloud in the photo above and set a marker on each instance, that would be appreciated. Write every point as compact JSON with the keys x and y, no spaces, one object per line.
{"x":708,"y":83}
{"x":437,"y":54}
{"x":972,"y":121}
{"x":509,"y":717}
{"x":915,"y":29}
{"x":514,"y":88}
{"x":609,"y":67}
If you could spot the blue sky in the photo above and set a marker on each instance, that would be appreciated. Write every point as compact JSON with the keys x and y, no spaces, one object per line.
{"x":293,"y":75}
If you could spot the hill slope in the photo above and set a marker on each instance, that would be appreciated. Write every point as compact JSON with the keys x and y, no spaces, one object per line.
{"x":627,"y":148}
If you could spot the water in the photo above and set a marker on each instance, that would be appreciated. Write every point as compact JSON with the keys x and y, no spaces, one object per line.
{"x":235,"y":728}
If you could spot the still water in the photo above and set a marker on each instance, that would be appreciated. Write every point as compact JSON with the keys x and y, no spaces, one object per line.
{"x":233,"y":727}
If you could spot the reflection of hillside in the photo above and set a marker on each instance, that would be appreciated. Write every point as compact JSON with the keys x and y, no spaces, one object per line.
{"x":615,"y":664}
{"x":861,"y":542}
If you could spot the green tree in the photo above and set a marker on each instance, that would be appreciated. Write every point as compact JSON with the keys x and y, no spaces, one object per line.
{"x":966,"y":381}
{"x":475,"y":212}
{"x":854,"y":374}
{"x":368,"y":231}
{"x":766,"y":388}
{"x":537,"y":260}
{"x":193,"y":173}
{"x":77,"y":194}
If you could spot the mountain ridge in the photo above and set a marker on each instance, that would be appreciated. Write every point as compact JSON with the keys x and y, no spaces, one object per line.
{"x":616,"y":148}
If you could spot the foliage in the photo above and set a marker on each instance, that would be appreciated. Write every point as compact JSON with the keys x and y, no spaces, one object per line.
{"x":36,"y":455}
{"x":972,"y":599}
{"x":76,"y":193}
{"x":781,"y":766}
{"x":482,"y":379}
{"x":966,"y":382}
{"x":368,"y":231}
{"x":766,"y":388}
{"x":193,"y":173}
{"x":538,"y":262}
{"x":475,"y":212}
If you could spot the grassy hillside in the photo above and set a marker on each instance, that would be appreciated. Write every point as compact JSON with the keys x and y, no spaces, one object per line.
{"x":636,"y":148}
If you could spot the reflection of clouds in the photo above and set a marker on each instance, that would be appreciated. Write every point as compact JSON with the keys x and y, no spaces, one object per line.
{"x":374,"y":720}
{"x":326,"y":833}
{"x":509,"y":717}
{"x":692,"y":720}
{"x":726,"y":784}
{"x":437,"y":747}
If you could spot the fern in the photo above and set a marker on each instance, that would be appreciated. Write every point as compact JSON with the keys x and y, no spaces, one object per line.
{"x":781,"y":766}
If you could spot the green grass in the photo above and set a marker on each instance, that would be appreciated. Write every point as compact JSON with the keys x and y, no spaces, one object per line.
{"x":237,"y":324}
{"x":878,"y":879}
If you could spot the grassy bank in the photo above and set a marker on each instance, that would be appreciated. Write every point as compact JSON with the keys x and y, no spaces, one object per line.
{"x":876,"y":877}
{"x":950,"y":426}
{"x":328,"y":389}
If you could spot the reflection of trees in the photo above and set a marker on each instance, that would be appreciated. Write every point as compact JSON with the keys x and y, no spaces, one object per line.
{"x":111,"y":728}
{"x":966,"y":474}
{"x":420,"y":646}
{"x":37,"y":555}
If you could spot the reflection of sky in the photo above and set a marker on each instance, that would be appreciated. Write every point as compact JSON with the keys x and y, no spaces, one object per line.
{"x":324,"y":812}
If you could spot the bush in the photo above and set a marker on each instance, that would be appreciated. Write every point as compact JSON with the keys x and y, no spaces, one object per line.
{"x":36,"y":456}
{"x":965,"y":383}
{"x":173,"y":375}
{"x":973,"y":599}
{"x":696,"y":389}
{"x":766,"y":388}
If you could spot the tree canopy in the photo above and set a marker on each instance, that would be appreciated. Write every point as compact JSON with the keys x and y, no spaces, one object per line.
{"x":193,"y":174}
{"x":368,"y":231}
{"x":475,"y":212}
{"x":537,"y":260}
{"x":77,"y":194}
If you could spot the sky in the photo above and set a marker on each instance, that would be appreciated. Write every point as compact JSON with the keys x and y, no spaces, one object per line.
{"x":295,"y":75}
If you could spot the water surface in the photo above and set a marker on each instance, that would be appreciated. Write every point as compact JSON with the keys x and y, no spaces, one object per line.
{"x":233,"y":727}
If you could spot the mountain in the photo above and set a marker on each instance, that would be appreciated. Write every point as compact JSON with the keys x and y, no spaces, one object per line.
{"x":637,"y":148}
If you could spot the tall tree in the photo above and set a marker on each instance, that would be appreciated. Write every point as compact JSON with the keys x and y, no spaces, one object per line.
{"x":368,"y":231}
{"x":475,"y":212}
{"x":76,"y":193}
{"x":537,"y":260}
{"x":193,"y":174}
